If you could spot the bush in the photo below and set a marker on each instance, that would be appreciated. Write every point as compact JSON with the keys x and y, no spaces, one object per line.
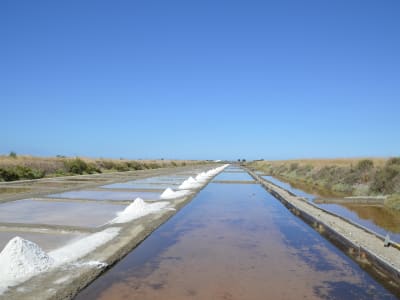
{"x":134,"y":165}
{"x":13,"y":154}
{"x":20,"y":172}
{"x":76,"y":166}
{"x":92,"y":168}
{"x":384,"y":181}
{"x":365,"y":165}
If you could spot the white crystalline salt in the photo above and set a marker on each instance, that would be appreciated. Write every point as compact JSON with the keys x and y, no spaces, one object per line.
{"x":171,"y":194}
{"x":83,"y":246}
{"x":137,"y":209}
{"x":191,"y":180}
{"x":22,"y":259}
{"x":19,"y":260}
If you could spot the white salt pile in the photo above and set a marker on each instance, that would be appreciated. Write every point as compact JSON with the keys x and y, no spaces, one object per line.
{"x":190,"y":183}
{"x":202,"y":177}
{"x":22,"y":259}
{"x":171,"y":194}
{"x":137,"y":209}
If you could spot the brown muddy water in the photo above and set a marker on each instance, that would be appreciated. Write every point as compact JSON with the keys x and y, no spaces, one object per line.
{"x":374,"y":217}
{"x":235,"y":241}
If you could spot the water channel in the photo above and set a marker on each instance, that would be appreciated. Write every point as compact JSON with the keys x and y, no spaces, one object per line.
{"x":377,"y":218}
{"x":235,"y":241}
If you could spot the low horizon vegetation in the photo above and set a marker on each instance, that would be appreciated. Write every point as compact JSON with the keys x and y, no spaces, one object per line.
{"x":18,"y":167}
{"x":351,"y":177}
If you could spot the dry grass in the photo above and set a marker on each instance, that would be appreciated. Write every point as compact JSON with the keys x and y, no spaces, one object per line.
{"x":22,"y":166}
{"x":320,"y":163}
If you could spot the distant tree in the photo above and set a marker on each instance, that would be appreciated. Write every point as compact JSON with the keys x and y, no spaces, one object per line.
{"x":243,"y":160}
{"x":13,"y":154}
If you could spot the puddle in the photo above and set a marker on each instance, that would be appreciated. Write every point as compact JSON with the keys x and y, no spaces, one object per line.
{"x":235,"y":242}
{"x":58,"y":213}
{"x":107,"y":195}
{"x":47,"y":241}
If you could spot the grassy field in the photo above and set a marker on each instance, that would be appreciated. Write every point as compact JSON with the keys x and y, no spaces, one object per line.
{"x":348,"y":177}
{"x":15,"y":167}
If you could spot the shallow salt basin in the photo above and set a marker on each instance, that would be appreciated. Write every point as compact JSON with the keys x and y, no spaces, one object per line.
{"x":106,"y":195}
{"x":161,"y":179}
{"x":47,"y":241}
{"x":133,"y":185}
{"x":84,"y":214}
{"x":228,"y":176}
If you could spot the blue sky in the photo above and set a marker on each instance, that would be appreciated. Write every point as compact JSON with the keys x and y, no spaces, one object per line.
{"x":200,"y":79}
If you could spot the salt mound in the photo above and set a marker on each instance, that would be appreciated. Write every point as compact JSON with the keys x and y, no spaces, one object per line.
{"x":137,"y":209}
{"x":202,"y":177}
{"x":191,"y":180}
{"x":190,"y":183}
{"x":171,"y":194}
{"x":21,"y":259}
{"x":168,"y":193}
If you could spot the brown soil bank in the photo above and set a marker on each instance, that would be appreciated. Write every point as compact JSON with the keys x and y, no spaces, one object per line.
{"x":347,"y":177}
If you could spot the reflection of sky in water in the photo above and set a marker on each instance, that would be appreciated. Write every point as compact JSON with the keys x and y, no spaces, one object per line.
{"x":84,"y":214}
{"x":288,"y":187}
{"x":235,"y":240}
{"x":242,"y":176}
{"x":106,"y":195}
{"x":386,"y":222}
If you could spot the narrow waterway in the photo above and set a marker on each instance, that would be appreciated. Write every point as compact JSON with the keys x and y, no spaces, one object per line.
{"x":377,"y":218}
{"x":235,"y":241}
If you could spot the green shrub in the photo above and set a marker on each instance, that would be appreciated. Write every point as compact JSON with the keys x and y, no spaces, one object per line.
{"x":13,"y":154}
{"x":134,"y":165}
{"x":20,"y":172}
{"x":154,"y":166}
{"x":384,"y":180}
{"x":365,"y":165}
{"x":76,"y":166}
{"x":92,"y":168}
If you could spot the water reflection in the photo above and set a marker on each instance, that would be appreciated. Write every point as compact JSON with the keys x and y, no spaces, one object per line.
{"x":235,"y":242}
{"x":377,"y":218}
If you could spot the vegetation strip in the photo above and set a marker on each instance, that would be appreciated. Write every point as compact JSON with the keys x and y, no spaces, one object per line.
{"x":340,"y":177}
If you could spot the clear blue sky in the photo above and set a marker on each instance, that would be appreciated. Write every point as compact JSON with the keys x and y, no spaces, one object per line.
{"x":200,"y":79}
